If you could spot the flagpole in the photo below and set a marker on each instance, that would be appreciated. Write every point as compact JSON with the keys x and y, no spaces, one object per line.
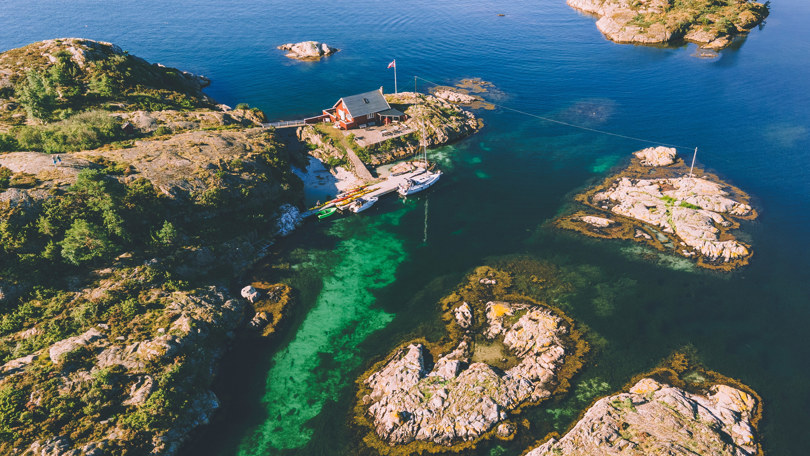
{"x":395,"y":76}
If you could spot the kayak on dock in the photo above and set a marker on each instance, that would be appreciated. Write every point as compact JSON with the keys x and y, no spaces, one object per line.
{"x":323,"y":213}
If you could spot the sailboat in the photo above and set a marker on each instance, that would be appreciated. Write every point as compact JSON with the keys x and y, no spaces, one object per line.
{"x":421,"y":181}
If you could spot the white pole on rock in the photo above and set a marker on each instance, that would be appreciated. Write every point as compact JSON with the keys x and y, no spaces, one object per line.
{"x":395,"y":77}
{"x":693,"y":163}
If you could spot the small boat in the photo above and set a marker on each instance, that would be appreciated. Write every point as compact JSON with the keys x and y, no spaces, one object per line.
{"x":323,"y":213}
{"x":418,"y":183}
{"x":361,"y":204}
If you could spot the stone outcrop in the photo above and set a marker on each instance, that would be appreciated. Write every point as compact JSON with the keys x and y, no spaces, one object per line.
{"x":464,"y":317}
{"x":63,"y":347}
{"x":454,"y":97}
{"x":457,"y":399}
{"x":308,"y":50}
{"x":656,"y":156}
{"x":656,"y":418}
{"x":709,"y":24}
{"x":250,"y":293}
{"x":597,"y":221}
{"x":657,"y":201}
{"x":691,"y":208}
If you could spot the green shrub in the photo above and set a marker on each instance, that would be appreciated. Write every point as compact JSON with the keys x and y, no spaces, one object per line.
{"x":37,"y":96}
{"x":166,"y":236}
{"x":242,"y":106}
{"x":88,"y":130}
{"x":8,"y":143}
{"x":163,"y":130}
{"x":5,"y":177}
{"x":12,"y":405}
{"x":85,"y":242}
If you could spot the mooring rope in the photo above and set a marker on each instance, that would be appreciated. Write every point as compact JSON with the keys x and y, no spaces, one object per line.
{"x":567,"y":124}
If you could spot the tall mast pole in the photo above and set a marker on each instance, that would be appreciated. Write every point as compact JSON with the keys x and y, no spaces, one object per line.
{"x":693,"y":163}
{"x":395,"y":76}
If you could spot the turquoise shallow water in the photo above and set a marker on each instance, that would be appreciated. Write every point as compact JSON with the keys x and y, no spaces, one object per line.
{"x":368,"y":282}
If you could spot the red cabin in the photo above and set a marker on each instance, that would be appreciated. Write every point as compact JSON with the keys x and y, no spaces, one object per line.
{"x":362,"y":110}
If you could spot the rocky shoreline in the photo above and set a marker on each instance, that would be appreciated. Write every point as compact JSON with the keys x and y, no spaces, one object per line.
{"x":655,"y":201}
{"x":657,"y":418}
{"x":116,"y":352}
{"x":679,"y":408}
{"x":657,"y":22}
{"x":505,"y":355}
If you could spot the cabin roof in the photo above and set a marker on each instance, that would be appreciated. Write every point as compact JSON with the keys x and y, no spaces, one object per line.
{"x":391,"y":112}
{"x":365,"y":103}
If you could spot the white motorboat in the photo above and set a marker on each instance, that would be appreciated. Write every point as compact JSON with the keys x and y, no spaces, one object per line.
{"x":361,"y":204}
{"x":422,"y":180}
{"x":419,"y":182}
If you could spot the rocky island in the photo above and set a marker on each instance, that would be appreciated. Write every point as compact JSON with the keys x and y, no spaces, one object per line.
{"x":119,"y":184}
{"x":656,"y":201}
{"x":710,"y":24}
{"x":672,"y":410}
{"x":506,"y":352}
{"x":308,"y":50}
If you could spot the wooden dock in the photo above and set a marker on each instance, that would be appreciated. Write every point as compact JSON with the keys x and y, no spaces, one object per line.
{"x":377,"y":189}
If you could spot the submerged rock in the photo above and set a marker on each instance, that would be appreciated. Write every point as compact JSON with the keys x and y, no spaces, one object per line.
{"x":656,"y":418}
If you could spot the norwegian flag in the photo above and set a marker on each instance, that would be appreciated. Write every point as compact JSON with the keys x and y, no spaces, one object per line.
{"x":393,"y":64}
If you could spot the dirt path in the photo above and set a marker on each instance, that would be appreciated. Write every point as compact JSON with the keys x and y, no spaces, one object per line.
{"x":359,"y":168}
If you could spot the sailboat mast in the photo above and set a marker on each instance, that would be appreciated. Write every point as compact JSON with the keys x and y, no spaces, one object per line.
{"x":424,"y":144}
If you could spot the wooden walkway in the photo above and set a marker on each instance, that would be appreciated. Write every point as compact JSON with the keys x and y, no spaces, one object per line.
{"x":360,"y":169}
{"x":285,"y":124}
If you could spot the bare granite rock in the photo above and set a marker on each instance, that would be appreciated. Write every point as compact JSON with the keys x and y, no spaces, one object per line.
{"x":308,"y":50}
{"x":656,"y":156}
{"x":663,"y":202}
{"x":597,"y":221}
{"x":688,"y":207}
{"x":250,"y":293}
{"x":464,"y":316}
{"x":655,"y":418}
{"x":454,"y":97}
{"x":456,"y":400}
{"x":59,"y":349}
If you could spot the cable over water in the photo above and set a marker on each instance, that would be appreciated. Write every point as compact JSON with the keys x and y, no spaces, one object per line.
{"x":567,"y":124}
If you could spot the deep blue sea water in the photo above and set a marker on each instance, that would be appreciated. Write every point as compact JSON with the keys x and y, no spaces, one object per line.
{"x":367,"y":282}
